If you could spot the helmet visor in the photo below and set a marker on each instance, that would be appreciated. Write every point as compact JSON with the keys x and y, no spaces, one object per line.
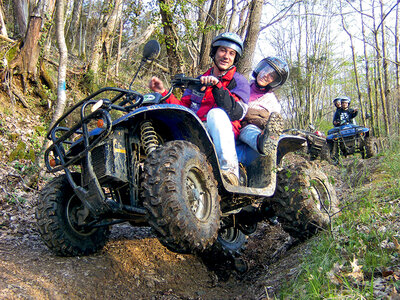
{"x":268,"y":76}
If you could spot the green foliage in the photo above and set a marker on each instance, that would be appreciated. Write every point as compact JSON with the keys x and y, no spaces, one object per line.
{"x":48,"y":94}
{"x":13,"y":199}
{"x":12,"y":52}
{"x":344,"y":263}
{"x":19,"y":152}
{"x":89,"y":82}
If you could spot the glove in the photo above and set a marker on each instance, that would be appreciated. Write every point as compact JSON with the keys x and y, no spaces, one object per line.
{"x":228,"y":103}
{"x":258,"y":117}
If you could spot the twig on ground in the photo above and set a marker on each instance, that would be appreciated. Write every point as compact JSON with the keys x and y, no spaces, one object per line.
{"x":22,"y":181}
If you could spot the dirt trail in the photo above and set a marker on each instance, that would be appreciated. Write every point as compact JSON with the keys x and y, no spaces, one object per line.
{"x":133,"y":265}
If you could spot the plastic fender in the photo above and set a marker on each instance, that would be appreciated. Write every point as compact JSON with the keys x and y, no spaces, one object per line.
{"x":289,"y":143}
{"x":180,"y":122}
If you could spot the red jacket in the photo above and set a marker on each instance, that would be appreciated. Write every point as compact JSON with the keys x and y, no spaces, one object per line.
{"x":201,"y":102}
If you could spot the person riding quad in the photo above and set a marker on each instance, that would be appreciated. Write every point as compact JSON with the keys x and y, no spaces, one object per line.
{"x":263,"y":123}
{"x":338,"y":103}
{"x":222,"y":104}
{"x":345,"y":115}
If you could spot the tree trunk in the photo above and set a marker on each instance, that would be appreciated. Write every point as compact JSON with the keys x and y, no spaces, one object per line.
{"x":3,"y":29}
{"x":204,"y":60}
{"x":385,"y":65}
{"x":233,"y":16}
{"x":27,"y":60}
{"x":73,"y":29}
{"x":255,"y":12}
{"x":84,"y":29}
{"x":355,"y":68}
{"x":61,"y":96}
{"x":103,"y":39}
{"x":121,"y":27}
{"x":374,"y":125}
{"x":62,"y":69}
{"x":21,"y":11}
{"x":175,"y":59}
{"x":243,"y":24}
{"x":379,"y":75}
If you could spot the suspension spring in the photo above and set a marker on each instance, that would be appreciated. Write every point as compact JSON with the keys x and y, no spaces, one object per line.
{"x":148,"y":137}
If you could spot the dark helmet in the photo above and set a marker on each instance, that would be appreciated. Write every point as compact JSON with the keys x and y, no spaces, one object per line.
{"x":337,"y":99}
{"x":230,"y":40}
{"x":275,"y":64}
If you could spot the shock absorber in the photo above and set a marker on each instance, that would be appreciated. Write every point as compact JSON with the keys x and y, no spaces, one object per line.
{"x":148,"y":137}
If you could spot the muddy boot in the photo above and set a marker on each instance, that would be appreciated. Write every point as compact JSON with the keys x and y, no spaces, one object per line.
{"x":230,"y":177}
{"x":268,"y":139}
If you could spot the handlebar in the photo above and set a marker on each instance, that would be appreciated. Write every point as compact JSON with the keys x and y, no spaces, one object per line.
{"x":125,"y":100}
{"x":181,"y":81}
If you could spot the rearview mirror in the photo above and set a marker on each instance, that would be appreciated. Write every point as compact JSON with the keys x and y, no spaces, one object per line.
{"x":151,"y":50}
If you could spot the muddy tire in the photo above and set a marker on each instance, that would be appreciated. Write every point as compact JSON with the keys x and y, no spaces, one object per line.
{"x":181,"y":197}
{"x":230,"y":242}
{"x":326,"y":153}
{"x":57,"y":213}
{"x":305,"y":201}
{"x":371,"y":146}
{"x":334,"y":150}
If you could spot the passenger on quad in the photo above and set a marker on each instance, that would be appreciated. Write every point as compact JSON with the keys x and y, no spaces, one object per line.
{"x":345,"y":115}
{"x":221,"y":103}
{"x":337,"y":102}
{"x":263,"y":123}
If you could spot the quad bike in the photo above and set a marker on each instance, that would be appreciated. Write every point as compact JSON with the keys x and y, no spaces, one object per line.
{"x":349,"y":138}
{"x":316,"y":142}
{"x":126,"y":156}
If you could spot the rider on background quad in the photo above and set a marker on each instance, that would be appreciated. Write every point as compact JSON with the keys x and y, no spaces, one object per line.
{"x":222,"y":104}
{"x":345,"y":115}
{"x":338,"y":104}
{"x":263,"y":123}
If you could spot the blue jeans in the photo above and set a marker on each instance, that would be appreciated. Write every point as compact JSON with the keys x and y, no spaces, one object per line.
{"x":220,"y":129}
{"x":249,"y":135}
{"x":246,"y":146}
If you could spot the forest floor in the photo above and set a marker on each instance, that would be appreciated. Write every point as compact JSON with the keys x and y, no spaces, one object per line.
{"x":133,"y":264}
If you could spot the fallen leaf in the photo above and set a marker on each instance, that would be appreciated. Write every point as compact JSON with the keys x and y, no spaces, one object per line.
{"x":386,"y":273}
{"x":356,"y":273}
{"x":396,"y":243}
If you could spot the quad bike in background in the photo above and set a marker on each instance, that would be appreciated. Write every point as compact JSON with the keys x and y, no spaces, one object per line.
{"x":316,"y":142}
{"x":126,"y":156}
{"x":349,"y":138}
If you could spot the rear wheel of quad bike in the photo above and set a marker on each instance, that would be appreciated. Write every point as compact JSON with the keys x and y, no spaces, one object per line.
{"x":304,"y":201}
{"x":58,"y":213}
{"x":371,"y":146}
{"x":181,"y":197}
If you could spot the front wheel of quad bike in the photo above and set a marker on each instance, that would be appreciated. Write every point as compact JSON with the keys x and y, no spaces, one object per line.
{"x":334,"y":152}
{"x":326,"y":153}
{"x":304,"y":201}
{"x":181,"y":197}
{"x":59,"y":215}
{"x":371,"y":146}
